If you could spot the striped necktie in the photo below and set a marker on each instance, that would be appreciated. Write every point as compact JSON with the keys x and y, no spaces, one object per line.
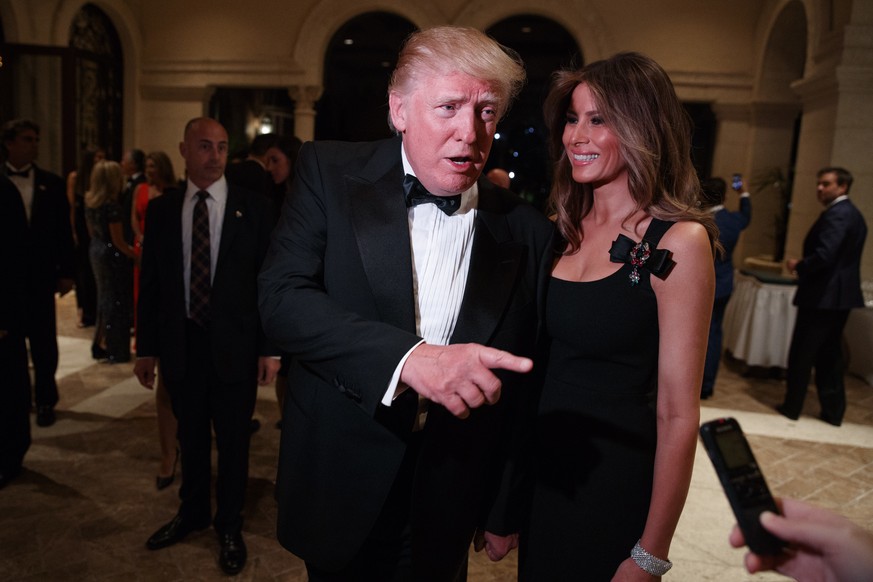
{"x":200,"y":286}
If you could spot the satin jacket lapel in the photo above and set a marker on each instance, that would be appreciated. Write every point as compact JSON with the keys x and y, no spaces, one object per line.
{"x":494,"y":267}
{"x":381,"y":225}
{"x":39,"y":189}
{"x":234,"y":214}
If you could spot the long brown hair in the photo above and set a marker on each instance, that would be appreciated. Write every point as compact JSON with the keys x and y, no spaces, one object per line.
{"x":166,"y":176}
{"x":638,"y":103}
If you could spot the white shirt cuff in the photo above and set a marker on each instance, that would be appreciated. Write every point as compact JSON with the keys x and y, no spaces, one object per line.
{"x":395,"y":388}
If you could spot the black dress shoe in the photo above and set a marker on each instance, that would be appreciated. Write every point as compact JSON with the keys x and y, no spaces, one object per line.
{"x":784,"y":412}
{"x":233,"y":554}
{"x":98,"y":353}
{"x":173,"y":532}
{"x":45,"y":415}
{"x":830,"y":420}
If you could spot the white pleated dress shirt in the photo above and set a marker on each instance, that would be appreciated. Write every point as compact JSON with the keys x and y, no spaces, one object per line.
{"x":441,"y":258}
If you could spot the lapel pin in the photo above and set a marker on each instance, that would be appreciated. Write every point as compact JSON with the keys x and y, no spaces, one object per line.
{"x":238,"y":214}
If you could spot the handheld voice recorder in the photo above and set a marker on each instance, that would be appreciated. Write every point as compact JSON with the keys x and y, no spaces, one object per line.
{"x":742,"y":481}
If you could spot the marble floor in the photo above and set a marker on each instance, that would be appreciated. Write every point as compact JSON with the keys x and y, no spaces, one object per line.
{"x":86,"y":501}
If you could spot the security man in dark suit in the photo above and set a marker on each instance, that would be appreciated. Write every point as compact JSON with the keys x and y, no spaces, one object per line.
{"x":828,"y":287}
{"x":198,"y":315}
{"x":50,"y":253}
{"x":407,"y":288}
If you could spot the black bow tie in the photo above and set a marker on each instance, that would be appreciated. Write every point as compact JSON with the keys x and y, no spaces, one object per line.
{"x":417,"y":194}
{"x":22,"y":174}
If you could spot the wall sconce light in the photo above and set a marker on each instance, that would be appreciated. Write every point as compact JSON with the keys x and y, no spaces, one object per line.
{"x":266,"y":125}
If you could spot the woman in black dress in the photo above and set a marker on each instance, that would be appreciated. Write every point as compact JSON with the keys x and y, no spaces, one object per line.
{"x":110,"y":259}
{"x":627,"y":316}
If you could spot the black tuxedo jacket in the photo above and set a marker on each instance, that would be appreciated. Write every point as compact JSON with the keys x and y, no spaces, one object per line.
{"x":13,"y":263}
{"x":126,"y":200}
{"x":235,"y":331}
{"x":251,"y":175}
{"x":829,"y":275}
{"x":336,"y":292}
{"x":49,"y":241}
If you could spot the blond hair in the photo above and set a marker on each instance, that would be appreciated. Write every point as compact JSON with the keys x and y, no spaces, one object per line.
{"x":107,"y":181}
{"x":443,"y":50}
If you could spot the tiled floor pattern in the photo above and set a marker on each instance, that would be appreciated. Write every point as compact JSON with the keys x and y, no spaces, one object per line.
{"x":87,"y":502}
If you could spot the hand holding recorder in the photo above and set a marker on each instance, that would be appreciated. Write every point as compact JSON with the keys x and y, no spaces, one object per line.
{"x":823,"y":545}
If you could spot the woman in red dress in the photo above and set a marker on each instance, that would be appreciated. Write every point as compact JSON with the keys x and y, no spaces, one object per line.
{"x":159,"y":177}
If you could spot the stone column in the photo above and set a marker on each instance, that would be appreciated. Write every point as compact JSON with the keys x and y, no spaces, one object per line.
{"x":304,"y":97}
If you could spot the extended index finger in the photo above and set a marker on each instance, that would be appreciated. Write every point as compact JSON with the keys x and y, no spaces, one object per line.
{"x":494,"y":358}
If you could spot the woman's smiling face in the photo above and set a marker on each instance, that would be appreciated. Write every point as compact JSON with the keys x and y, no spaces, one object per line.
{"x":593,"y":150}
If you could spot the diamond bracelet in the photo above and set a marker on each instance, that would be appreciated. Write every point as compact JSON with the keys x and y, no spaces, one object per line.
{"x":649,"y":563}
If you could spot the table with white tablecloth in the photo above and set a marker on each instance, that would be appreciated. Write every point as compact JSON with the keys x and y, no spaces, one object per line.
{"x":759,"y":320}
{"x":859,"y":340}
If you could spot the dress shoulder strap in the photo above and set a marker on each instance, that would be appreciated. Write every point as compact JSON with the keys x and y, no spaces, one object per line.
{"x":656,"y":230}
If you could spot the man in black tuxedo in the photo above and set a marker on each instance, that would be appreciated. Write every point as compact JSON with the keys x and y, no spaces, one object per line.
{"x":49,"y":250}
{"x":133,"y":166}
{"x":15,"y":387}
{"x":251,"y":173}
{"x":828,"y":287}
{"x":198,"y":315}
{"x":411,"y":326}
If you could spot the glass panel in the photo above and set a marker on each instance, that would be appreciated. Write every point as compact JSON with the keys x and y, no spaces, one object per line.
{"x":36,"y":95}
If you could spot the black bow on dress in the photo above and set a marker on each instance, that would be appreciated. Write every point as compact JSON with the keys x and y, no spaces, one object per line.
{"x":658,"y":262}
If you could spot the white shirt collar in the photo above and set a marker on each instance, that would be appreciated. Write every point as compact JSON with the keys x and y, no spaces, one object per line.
{"x":217,"y":190}
{"x":25,"y":168}
{"x":837,"y":199}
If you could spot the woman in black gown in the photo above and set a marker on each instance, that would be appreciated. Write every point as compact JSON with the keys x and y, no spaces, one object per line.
{"x":110,"y":258}
{"x":627,"y":316}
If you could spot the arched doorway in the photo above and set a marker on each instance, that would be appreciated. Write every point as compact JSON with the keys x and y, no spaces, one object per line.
{"x":246,"y":112}
{"x":73,"y":92}
{"x":776,"y":125}
{"x":97,"y":62}
{"x":358,"y":64}
{"x":522,"y":148}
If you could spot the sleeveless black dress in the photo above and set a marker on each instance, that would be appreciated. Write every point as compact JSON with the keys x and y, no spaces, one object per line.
{"x":596,"y":429}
